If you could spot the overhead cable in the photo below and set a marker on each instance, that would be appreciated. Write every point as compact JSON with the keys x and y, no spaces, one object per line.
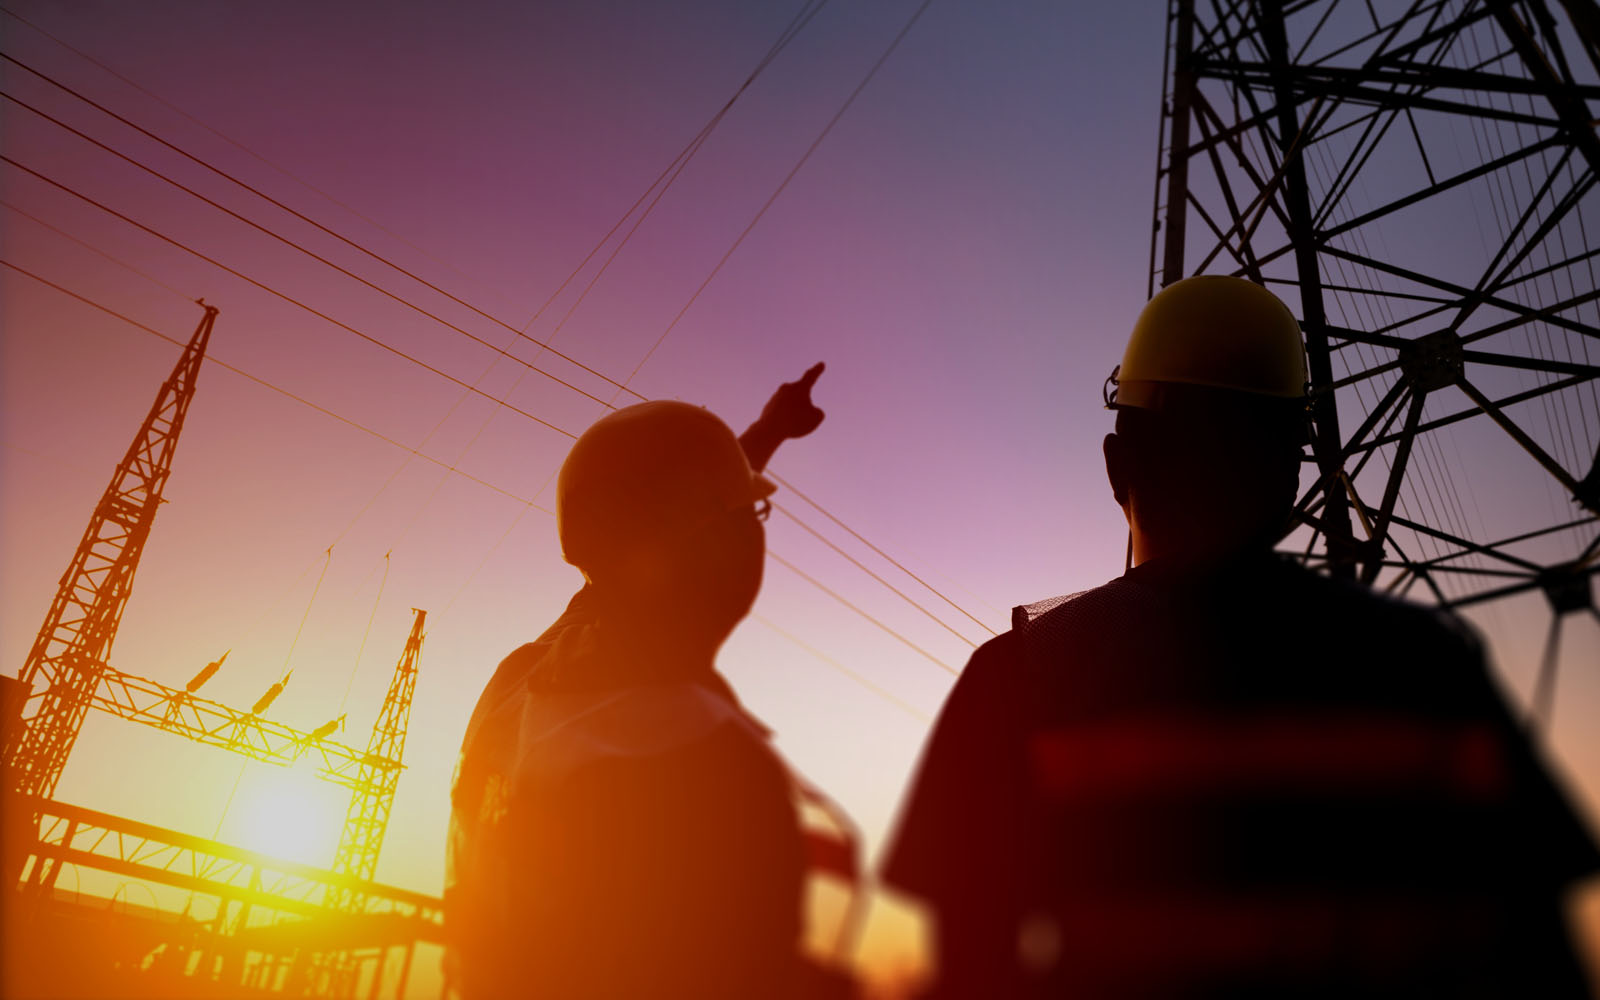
{"x":886,"y":557}
{"x":885,"y":583}
{"x":667,"y":177}
{"x":383,"y":437}
{"x":299,"y":215}
{"x":296,"y":246}
{"x":782,"y":186}
{"x":881,"y":692}
{"x":282,"y":295}
{"x":264,"y":383}
{"x":802,"y":574}
{"x":472,"y":389}
{"x":225,"y":138}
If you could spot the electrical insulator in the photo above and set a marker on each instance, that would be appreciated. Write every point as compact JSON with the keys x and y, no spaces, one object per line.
{"x":266,"y":700}
{"x":325,"y":730}
{"x":206,"y":673}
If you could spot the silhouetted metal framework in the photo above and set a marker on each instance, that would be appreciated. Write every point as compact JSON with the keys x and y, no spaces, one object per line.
{"x":275,"y":918}
{"x":64,"y":667}
{"x":1420,"y":181}
{"x":67,"y":674}
{"x":176,"y":711}
{"x":379,"y":775}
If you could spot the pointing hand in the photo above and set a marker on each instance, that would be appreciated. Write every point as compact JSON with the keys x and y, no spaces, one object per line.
{"x":790,"y":412}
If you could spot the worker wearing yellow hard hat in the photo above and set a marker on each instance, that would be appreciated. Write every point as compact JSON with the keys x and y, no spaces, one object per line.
{"x":1211,"y":332}
{"x":621,"y":826}
{"x":1222,"y":774}
{"x":1211,"y":413}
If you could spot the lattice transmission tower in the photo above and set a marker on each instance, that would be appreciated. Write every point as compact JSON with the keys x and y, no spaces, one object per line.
{"x":1417,"y":182}
{"x":372,"y":799}
{"x":65,"y":667}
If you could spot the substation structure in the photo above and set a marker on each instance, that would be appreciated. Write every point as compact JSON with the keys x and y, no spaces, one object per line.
{"x":252,"y":925}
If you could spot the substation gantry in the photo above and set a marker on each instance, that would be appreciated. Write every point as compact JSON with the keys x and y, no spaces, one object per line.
{"x":67,"y":673}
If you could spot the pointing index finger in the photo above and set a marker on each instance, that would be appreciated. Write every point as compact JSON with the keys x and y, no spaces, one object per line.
{"x":809,"y":379}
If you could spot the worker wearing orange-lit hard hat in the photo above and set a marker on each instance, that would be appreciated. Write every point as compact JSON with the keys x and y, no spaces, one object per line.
{"x":1221,"y":774}
{"x":620,"y":825}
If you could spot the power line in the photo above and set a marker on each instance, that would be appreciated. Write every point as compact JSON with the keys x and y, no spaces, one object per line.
{"x":883,"y":693}
{"x":798,"y":23}
{"x":802,"y":574}
{"x":360,"y":650}
{"x":807,"y":12}
{"x":291,"y":243}
{"x":213,"y":360}
{"x":739,"y":240}
{"x":225,"y":138}
{"x":411,"y":453}
{"x":886,"y":584}
{"x":469,"y":388}
{"x":881,"y":554}
{"x":282,"y":295}
{"x":304,"y":218}
{"x":95,"y":250}
{"x":310,"y":603}
{"x":528,"y":504}
{"x":670,"y":174}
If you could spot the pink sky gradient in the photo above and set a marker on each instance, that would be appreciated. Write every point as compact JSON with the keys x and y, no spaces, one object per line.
{"x":966,"y":250}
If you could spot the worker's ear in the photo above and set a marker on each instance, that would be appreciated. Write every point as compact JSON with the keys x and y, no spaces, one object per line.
{"x":1118,"y":463}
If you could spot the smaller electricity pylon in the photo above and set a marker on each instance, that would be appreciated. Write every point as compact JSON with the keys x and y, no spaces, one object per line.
{"x":379,"y":775}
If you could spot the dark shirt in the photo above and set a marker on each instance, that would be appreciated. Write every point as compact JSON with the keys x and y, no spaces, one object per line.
{"x":1253,"y":781}
{"x":617,"y":839}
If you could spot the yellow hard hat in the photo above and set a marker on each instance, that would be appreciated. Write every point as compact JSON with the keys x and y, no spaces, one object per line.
{"x":646,"y":470}
{"x":1214,"y":332}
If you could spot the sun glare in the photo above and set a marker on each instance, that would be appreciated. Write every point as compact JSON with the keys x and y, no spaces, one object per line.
{"x":289,"y":813}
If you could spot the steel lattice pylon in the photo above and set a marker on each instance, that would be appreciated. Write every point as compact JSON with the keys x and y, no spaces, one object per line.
{"x":1419,"y":185}
{"x":64,"y":667}
{"x":373,"y":797}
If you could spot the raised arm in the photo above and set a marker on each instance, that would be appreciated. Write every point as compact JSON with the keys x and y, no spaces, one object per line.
{"x":788,"y":414}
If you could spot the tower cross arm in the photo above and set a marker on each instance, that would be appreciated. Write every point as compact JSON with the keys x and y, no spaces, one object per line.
{"x":174,"y":710}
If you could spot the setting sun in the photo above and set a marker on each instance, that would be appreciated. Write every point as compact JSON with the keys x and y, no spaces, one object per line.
{"x":288,"y":813}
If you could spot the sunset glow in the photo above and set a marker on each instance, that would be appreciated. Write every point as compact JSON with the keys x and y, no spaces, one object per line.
{"x":289,"y":813}
{"x":444,"y":239}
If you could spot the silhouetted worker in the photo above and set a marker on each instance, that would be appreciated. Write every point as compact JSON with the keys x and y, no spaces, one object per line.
{"x":1222,"y":774}
{"x":620,"y":826}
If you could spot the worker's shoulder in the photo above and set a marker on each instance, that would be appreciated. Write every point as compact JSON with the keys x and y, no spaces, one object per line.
{"x":1371,"y":616}
{"x":1114,"y":596}
{"x":1120,"y":604}
{"x":515,"y":667}
{"x":1278,"y":590}
{"x":1000,"y":669}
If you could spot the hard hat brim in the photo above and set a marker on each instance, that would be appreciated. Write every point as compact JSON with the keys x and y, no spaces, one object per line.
{"x":1169,"y":397}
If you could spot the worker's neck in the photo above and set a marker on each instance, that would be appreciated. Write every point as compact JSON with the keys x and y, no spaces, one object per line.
{"x":1192,"y":552}
{"x":658,"y":632}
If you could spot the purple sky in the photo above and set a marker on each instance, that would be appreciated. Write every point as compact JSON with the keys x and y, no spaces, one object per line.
{"x":966,"y":249}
